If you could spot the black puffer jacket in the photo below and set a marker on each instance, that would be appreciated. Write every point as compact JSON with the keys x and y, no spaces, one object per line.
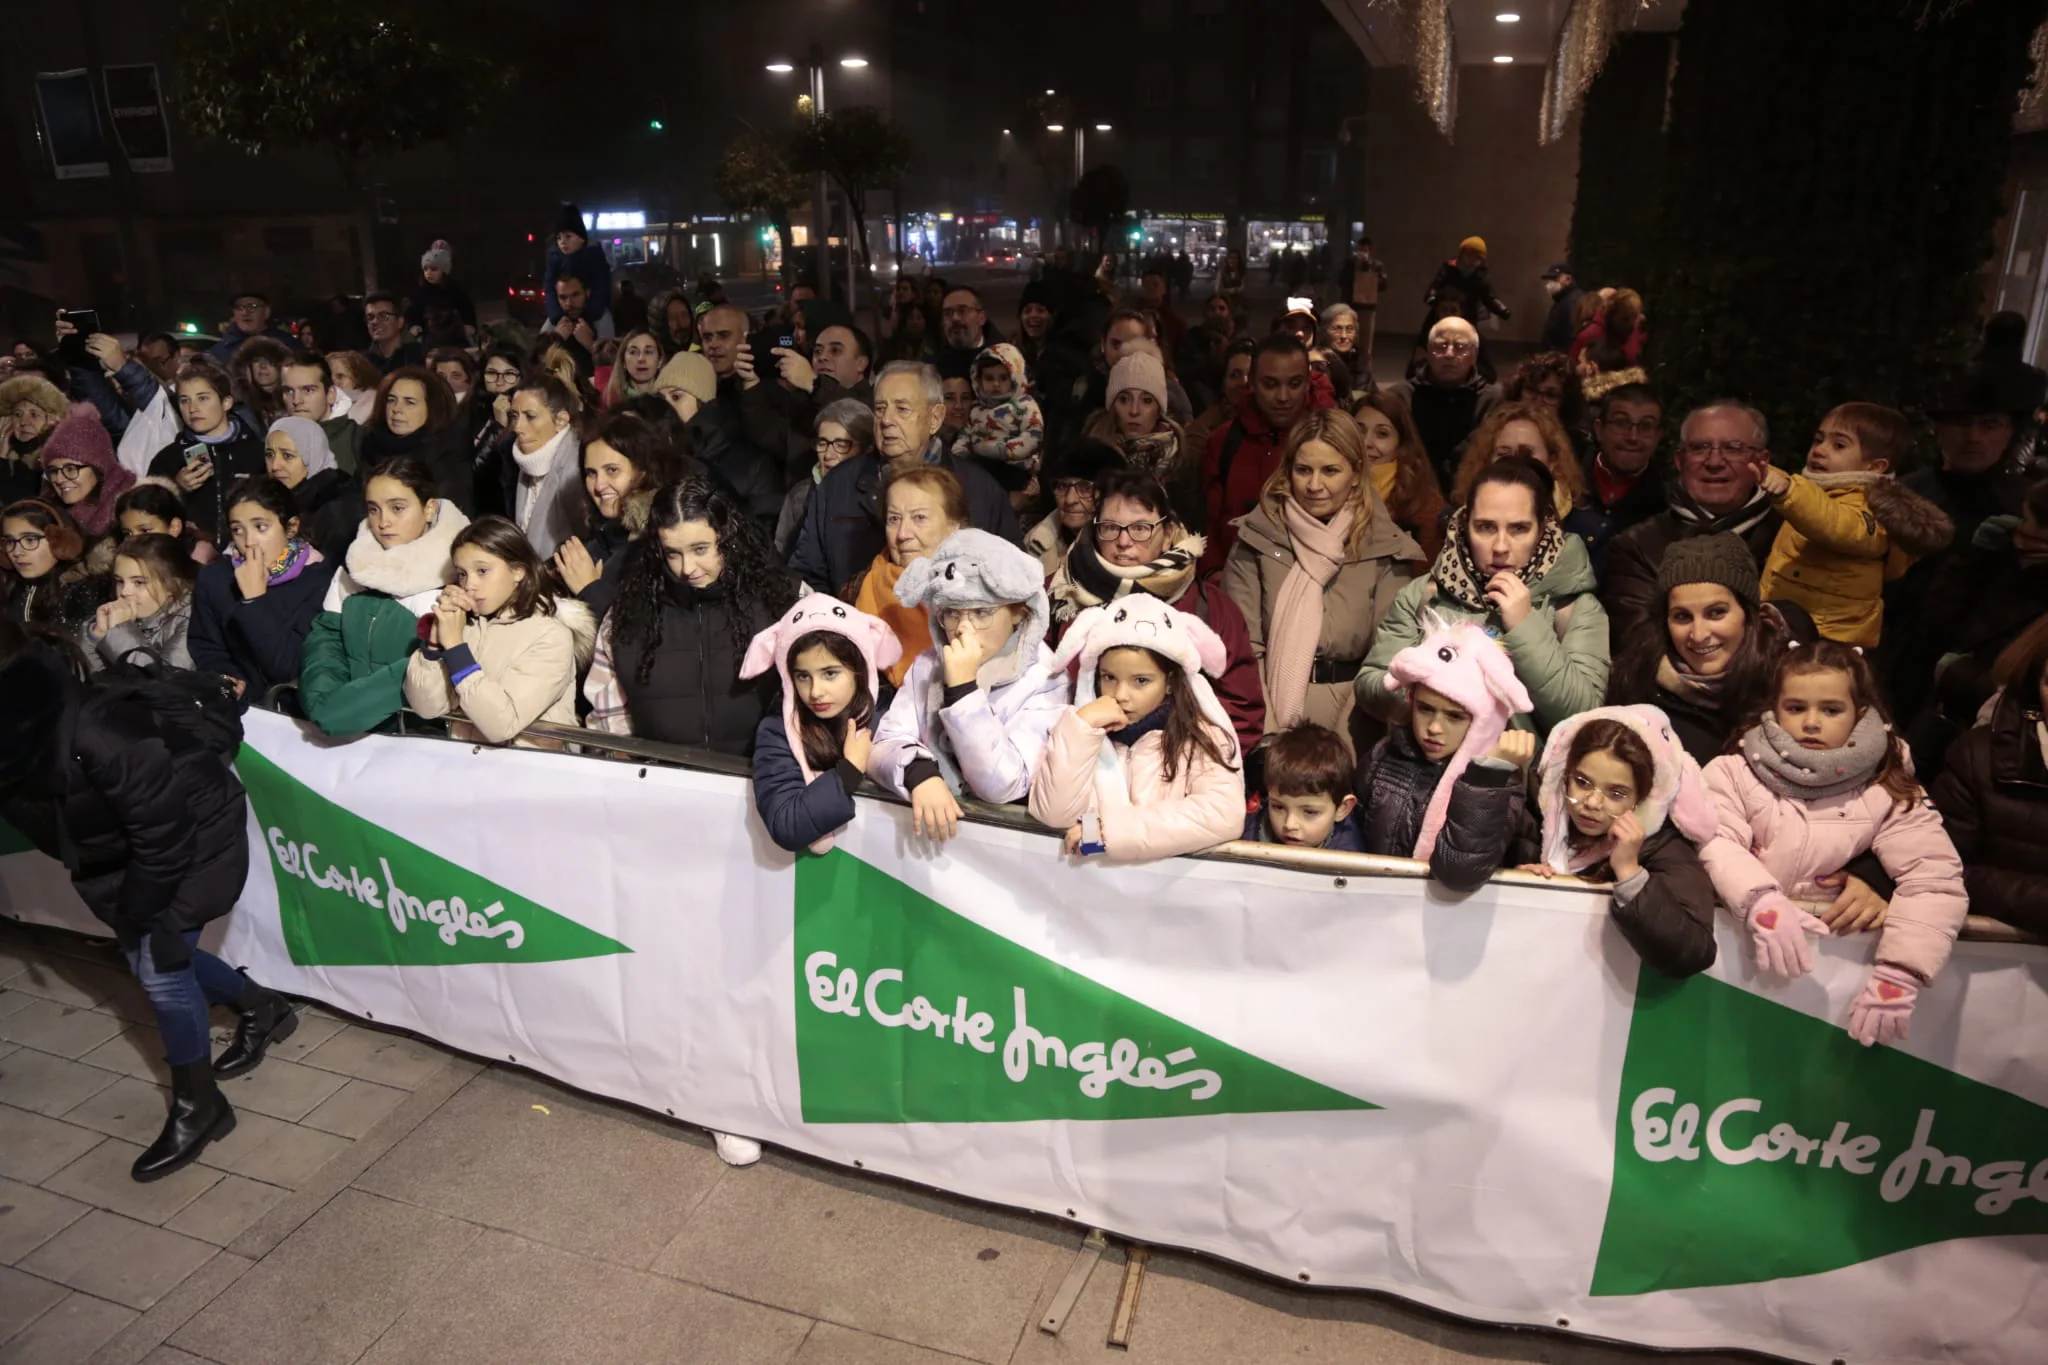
{"x":693,"y":693}
{"x":64,"y":600}
{"x":1670,"y":921}
{"x":149,"y":822}
{"x":237,"y":458}
{"x":1395,"y":784}
{"x":1993,"y":797}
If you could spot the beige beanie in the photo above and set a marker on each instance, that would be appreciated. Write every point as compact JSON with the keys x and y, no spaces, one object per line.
{"x":690,"y":372}
{"x":1137,"y":370}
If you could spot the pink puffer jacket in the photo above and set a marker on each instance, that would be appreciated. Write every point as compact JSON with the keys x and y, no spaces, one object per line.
{"x":1769,"y":842}
{"x":1144,"y":816}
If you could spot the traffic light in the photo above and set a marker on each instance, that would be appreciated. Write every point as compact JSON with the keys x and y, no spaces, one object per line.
{"x":1137,"y":234}
{"x":767,"y":234}
{"x":655,"y":124}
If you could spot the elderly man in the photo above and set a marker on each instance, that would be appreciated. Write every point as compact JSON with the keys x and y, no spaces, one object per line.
{"x":250,"y":318}
{"x":842,"y":531}
{"x":1450,"y":396}
{"x":1722,"y":450}
{"x":723,"y":433}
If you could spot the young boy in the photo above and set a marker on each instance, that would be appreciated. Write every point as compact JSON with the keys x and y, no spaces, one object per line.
{"x":1005,"y":425}
{"x":1850,"y":527}
{"x":1308,"y":802}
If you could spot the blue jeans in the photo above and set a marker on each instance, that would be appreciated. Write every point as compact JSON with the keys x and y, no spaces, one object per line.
{"x":180,"y":998}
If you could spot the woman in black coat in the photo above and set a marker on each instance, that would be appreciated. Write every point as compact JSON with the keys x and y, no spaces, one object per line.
{"x":152,"y":825}
{"x":1993,"y":794}
{"x":416,"y":416}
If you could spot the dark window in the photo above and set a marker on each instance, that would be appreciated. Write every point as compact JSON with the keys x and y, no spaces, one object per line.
{"x":287,"y":239}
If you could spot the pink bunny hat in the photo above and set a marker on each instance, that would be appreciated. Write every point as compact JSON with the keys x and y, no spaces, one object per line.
{"x":1465,"y":664}
{"x":1142,"y":621}
{"x":877,"y":644}
{"x":1678,"y":792}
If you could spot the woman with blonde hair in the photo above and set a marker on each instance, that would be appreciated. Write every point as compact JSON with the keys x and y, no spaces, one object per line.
{"x":632,"y":373}
{"x":1317,"y":563}
{"x":1530,"y":429}
{"x":1398,"y":464}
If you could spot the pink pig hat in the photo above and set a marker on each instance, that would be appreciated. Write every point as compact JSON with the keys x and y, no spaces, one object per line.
{"x":1467,"y":665}
{"x":1142,"y":621}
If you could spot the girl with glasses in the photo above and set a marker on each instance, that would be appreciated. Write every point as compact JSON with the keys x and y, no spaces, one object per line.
{"x":45,"y":578}
{"x":86,"y":480}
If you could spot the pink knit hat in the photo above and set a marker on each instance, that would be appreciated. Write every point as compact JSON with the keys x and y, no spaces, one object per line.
{"x":1142,"y":621}
{"x":816,"y":612}
{"x":1462,"y":662}
{"x":1677,"y":793}
{"x":82,"y":438}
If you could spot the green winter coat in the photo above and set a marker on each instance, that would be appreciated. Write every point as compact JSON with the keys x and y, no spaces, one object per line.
{"x":1560,"y":651}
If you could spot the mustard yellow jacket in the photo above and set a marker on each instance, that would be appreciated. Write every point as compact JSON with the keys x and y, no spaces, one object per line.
{"x":1845,"y":536}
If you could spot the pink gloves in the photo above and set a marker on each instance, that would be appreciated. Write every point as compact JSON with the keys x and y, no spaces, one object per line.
{"x":1880,"y":1014}
{"x":1779,"y":929}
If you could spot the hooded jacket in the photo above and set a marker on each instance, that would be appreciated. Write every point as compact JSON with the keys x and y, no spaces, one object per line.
{"x":1085,"y":768}
{"x":1666,"y":910}
{"x":1354,"y":602}
{"x":803,"y":808}
{"x":1845,"y":536}
{"x":1993,"y":798}
{"x":1396,"y":783}
{"x":1007,"y":430}
{"x":1767,"y":842}
{"x":507,"y":673}
{"x":1559,"y":650}
{"x":353,"y":675}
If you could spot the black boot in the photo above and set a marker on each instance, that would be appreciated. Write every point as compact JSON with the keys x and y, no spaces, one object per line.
{"x":199,"y":1114}
{"x":266,"y":1018}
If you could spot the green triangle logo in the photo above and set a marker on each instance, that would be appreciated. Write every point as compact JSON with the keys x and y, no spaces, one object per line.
{"x":910,"y":1013}
{"x":1755,"y":1142}
{"x":352,"y":894}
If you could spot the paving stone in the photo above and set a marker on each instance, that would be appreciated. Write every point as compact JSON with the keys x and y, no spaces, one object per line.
{"x":831,"y":1344}
{"x":281,"y":1089}
{"x":29,"y":1217}
{"x":273,"y":1151}
{"x":577,"y":1176}
{"x":33,"y":1148}
{"x":66,"y":1030}
{"x":313,"y":1030}
{"x":225,"y":1212}
{"x":372,"y":1055}
{"x":71,"y":1331}
{"x":171,"y":1355}
{"x":128,"y":1109}
{"x":15,"y":958}
{"x":44,"y":1084}
{"x":68,"y":981}
{"x":354,"y":1109}
{"x":101,"y":1178}
{"x":117,"y":1258}
{"x":135,"y":1051}
{"x":805,"y":1238}
{"x":333,"y":1287}
{"x":512,"y":1299}
{"x":10,"y":1001}
{"x":24,"y":1298}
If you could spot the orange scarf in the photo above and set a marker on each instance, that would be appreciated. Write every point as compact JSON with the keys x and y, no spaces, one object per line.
{"x":913,"y":625}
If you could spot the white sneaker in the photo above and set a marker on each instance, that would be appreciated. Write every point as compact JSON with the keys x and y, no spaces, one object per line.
{"x":734,"y":1150}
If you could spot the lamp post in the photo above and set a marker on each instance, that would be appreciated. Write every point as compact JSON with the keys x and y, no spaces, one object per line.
{"x":1080,"y":148}
{"x":814,"y":68}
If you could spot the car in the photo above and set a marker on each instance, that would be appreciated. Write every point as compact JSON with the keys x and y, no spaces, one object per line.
{"x":999,"y":255}
{"x":525,"y":303}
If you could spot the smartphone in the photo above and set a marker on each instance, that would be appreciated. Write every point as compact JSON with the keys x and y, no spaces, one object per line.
{"x":788,"y":343}
{"x":196,"y":452}
{"x":72,"y":348}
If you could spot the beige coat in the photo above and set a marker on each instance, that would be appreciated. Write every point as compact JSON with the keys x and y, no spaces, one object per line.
{"x":1353,"y":602}
{"x":526,"y":672}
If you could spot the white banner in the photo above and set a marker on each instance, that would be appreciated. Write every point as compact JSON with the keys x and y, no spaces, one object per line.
{"x":1479,"y":1103}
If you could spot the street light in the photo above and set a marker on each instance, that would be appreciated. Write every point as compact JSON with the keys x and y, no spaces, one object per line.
{"x":1055,"y":127}
{"x":781,"y":68}
{"x":814,"y":65}
{"x":853,"y":63}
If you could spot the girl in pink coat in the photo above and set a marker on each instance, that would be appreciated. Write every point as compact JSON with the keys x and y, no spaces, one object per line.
{"x":1818,"y":780}
{"x":1146,"y":765}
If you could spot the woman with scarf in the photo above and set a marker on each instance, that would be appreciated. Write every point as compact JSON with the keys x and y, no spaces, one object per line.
{"x":546,"y":493}
{"x":844,"y":429}
{"x":1138,"y":544}
{"x":415,"y":419}
{"x":923,"y":505}
{"x":30,"y":409}
{"x":1401,"y":472}
{"x":1135,"y":423}
{"x":1316,"y":565}
{"x":1509,"y":565}
{"x":297,"y":455}
{"x":87,"y":481}
{"x":251,"y":610}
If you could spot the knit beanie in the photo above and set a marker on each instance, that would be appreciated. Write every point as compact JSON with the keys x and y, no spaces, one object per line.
{"x":1477,"y":244}
{"x":83,"y":438}
{"x":1722,"y":558}
{"x":690,"y":372}
{"x":570,"y":219}
{"x":1137,"y":370}
{"x":440,"y":256}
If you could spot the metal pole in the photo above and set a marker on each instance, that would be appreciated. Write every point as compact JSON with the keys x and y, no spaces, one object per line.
{"x":820,"y":193}
{"x":1080,"y":164}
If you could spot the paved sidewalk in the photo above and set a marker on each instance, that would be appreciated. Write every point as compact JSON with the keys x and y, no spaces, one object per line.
{"x":389,"y":1202}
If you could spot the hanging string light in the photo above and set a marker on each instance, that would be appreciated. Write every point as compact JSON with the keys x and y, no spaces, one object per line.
{"x":1432,"y":45}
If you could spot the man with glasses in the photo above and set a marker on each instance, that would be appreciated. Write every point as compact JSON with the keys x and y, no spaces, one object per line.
{"x":964,"y":324}
{"x":308,"y":391}
{"x":1071,"y":477}
{"x":250,"y":312}
{"x":842,"y":530}
{"x":1621,"y":488}
{"x":389,"y":347}
{"x":1451,"y":394}
{"x":1722,"y":451}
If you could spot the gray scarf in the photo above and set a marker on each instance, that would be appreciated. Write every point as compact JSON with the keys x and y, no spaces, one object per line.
{"x":1802,"y":774}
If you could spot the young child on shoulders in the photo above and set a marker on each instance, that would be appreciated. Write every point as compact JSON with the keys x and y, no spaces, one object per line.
{"x":1623,"y":802}
{"x":1819,"y":779}
{"x":1146,"y":764}
{"x":1850,"y":526}
{"x":1005,"y":425}
{"x":811,"y":758}
{"x":1446,"y":787}
{"x":1309,"y":801}
{"x":974,"y":711}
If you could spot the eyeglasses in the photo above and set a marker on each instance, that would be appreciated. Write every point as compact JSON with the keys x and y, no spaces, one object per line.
{"x":33,"y":540}
{"x":960,"y":310}
{"x":1642,"y":426}
{"x":1136,"y":530}
{"x":501,"y":376}
{"x":1734,"y":450}
{"x":381,"y":315}
{"x":1452,"y":348}
{"x":952,"y":618}
{"x":69,"y":473}
{"x":838,"y":447}
{"x":251,"y":306}
{"x":1067,"y":488}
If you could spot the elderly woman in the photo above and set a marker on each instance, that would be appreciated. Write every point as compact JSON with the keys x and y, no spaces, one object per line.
{"x":1340,"y":336}
{"x":1508,"y":565}
{"x":1316,"y":565}
{"x":845,"y":428}
{"x":30,"y":408}
{"x":1136,"y":425}
{"x":1071,"y":478}
{"x":924,"y":504}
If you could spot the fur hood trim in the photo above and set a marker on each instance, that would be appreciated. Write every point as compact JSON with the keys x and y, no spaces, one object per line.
{"x":1914,"y":524}
{"x":582,"y":624}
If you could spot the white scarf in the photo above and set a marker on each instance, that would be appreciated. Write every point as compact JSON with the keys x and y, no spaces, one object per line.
{"x":536,"y":465}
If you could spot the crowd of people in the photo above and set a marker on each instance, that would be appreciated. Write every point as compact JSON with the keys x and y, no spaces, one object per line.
{"x":1164,"y":584}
